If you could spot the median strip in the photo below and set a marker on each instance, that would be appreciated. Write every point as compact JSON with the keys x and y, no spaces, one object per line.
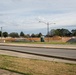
{"x":44,"y":55}
{"x":68,"y":47}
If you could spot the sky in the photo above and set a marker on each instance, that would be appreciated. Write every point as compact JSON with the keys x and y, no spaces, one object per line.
{"x":24,"y":15}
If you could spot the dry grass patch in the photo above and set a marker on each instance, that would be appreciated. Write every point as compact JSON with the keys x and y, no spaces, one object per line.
{"x":36,"y":67}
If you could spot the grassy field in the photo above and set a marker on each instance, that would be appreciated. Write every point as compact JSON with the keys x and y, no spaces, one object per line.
{"x":52,"y":42}
{"x":36,"y":67}
{"x":39,"y":42}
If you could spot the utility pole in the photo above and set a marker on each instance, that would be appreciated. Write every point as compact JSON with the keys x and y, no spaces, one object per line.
{"x":47,"y":23}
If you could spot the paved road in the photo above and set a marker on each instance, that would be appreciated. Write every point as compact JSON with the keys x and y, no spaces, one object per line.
{"x":64,"y":53}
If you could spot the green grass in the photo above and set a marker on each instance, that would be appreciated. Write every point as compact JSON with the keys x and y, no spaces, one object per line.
{"x":52,"y":42}
{"x":36,"y":67}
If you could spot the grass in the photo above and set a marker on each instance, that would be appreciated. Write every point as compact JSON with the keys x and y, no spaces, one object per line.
{"x":52,"y":42}
{"x":36,"y":67}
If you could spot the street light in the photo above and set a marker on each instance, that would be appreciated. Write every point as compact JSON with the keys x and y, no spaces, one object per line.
{"x":47,"y":23}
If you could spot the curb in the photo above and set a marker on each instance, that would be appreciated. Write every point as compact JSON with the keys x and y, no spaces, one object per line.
{"x":39,"y":47}
{"x":50,"y":56}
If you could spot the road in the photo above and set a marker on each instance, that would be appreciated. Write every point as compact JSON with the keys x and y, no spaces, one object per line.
{"x":57,"y":53}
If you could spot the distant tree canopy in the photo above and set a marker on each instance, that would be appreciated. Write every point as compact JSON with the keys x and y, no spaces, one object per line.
{"x":36,"y":35}
{"x":0,"y":33}
{"x":40,"y":34}
{"x":33,"y":35}
{"x":22,"y":34}
{"x":53,"y":32}
{"x":73,"y":32}
{"x":13,"y":34}
{"x":5,"y":34}
{"x":60,"y":32}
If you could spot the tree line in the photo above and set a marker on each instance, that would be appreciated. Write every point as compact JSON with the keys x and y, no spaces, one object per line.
{"x":62,"y":32}
{"x":17,"y":35}
{"x":51,"y":33}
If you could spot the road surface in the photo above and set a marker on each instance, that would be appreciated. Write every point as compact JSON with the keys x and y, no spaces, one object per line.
{"x":59,"y":53}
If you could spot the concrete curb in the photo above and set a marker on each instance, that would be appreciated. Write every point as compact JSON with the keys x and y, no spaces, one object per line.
{"x":16,"y":45}
{"x":51,"y":56}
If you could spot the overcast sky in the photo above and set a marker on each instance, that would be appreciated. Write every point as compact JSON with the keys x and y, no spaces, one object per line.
{"x":23,"y":15}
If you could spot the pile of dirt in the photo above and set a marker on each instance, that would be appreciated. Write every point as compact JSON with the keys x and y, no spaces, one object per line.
{"x":72,"y":40}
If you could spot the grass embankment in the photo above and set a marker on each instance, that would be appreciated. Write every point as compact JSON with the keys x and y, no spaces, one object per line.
{"x":36,"y":67}
{"x":38,"y":42}
{"x":55,"y":43}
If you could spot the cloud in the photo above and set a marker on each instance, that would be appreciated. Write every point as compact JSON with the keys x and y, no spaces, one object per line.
{"x":22,"y":14}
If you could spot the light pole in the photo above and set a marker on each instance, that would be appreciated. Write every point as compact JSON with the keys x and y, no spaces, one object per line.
{"x":47,"y":23}
{"x":48,"y":31}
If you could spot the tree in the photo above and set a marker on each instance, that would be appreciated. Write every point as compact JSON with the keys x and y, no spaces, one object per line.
{"x":22,"y":34}
{"x":73,"y":32}
{"x":39,"y":35}
{"x":52,"y":32}
{"x":28,"y":35}
{"x":36,"y":35}
{"x":5,"y":34}
{"x":60,"y":32}
{"x":33,"y":35}
{"x":0,"y":33}
{"x":13,"y":34}
{"x":65,"y":32}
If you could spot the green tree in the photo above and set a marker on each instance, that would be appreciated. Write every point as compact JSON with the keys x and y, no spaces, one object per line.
{"x":61,"y":32}
{"x":36,"y":35}
{"x":73,"y":32}
{"x":13,"y":34}
{"x":58,"y":32}
{"x":33,"y":35}
{"x":5,"y":34}
{"x":0,"y":33}
{"x":22,"y":34}
{"x":65,"y":32}
{"x":39,"y":35}
{"x":28,"y":35}
{"x":52,"y":32}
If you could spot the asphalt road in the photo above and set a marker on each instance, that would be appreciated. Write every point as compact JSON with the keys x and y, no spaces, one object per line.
{"x":62,"y":53}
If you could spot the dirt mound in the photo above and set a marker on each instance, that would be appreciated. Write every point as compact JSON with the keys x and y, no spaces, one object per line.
{"x":72,"y":40}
